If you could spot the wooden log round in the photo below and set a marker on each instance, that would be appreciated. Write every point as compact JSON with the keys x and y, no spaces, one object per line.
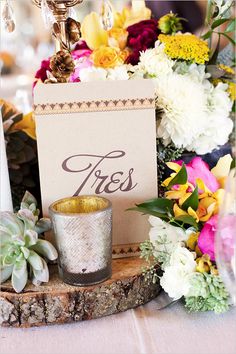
{"x":57,"y":302}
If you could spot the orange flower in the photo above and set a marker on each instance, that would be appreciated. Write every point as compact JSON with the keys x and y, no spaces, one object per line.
{"x":107,"y":57}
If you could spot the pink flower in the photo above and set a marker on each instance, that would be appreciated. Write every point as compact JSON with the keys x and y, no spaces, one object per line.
{"x":197,"y":168}
{"x":80,"y":53}
{"x":206,"y":240}
{"x":82,"y":61}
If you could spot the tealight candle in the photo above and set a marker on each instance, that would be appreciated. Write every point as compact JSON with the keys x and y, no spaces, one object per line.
{"x":83,"y":234}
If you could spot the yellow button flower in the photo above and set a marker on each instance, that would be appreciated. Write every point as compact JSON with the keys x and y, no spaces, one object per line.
{"x":107,"y":57}
{"x":185,"y":46}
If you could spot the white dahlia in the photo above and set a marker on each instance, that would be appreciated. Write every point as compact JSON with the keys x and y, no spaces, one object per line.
{"x":219,"y":124}
{"x":183,"y":102}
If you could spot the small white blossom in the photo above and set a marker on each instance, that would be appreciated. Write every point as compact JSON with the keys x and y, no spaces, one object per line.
{"x":176,"y":278}
{"x":118,"y":73}
{"x":161,"y":230}
{"x":93,"y":74}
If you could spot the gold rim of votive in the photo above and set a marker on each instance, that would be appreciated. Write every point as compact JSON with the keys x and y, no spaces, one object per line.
{"x":80,"y":205}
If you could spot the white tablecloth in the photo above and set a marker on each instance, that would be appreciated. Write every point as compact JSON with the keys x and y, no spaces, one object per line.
{"x":140,"y":331}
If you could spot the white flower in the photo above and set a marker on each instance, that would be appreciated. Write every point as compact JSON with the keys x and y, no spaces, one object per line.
{"x":161,"y":230}
{"x":118,"y":73}
{"x":155,"y":62}
{"x":182,"y":257}
{"x":176,"y":278}
{"x":93,"y":74}
{"x":183,"y":102}
{"x":194,"y":71}
{"x":219,"y":125}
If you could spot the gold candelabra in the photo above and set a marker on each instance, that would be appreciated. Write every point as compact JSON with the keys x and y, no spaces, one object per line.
{"x":59,"y":9}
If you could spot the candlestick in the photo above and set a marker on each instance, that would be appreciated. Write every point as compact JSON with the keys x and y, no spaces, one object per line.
{"x":59,"y":9}
{"x":5,"y":190}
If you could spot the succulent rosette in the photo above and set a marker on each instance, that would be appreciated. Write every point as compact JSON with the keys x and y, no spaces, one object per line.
{"x":182,"y":234}
{"x":23,"y":253}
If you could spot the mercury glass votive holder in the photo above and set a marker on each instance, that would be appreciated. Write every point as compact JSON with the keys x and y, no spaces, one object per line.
{"x":83,"y":233}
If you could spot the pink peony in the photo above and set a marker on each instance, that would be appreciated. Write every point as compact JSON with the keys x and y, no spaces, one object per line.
{"x":206,"y":240}
{"x":82,"y":61}
{"x":197,"y":168}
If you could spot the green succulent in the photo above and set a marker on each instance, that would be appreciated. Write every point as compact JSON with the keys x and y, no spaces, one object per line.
{"x":22,"y":252}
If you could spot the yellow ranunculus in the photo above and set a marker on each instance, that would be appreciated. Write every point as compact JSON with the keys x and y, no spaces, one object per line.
{"x":107,"y":57}
{"x":27,"y":125}
{"x":93,"y":32}
{"x":118,"y":38}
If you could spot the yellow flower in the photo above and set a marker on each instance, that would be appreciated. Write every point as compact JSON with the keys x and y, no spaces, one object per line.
{"x":118,"y":38}
{"x":185,"y":46}
{"x":27,"y":125}
{"x":107,"y":57}
{"x":222,"y":168}
{"x":192,"y":241}
{"x":129,"y":16}
{"x":232,"y":90}
{"x":93,"y":32}
{"x":227,"y":69}
{"x":203,"y":264}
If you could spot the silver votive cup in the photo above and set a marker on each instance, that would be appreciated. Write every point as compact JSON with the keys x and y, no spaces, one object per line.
{"x":83,"y":233}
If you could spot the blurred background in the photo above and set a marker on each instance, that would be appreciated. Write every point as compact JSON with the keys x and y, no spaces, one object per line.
{"x":22,"y":51}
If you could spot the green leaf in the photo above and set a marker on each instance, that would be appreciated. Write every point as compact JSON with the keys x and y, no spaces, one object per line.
{"x":180,"y":178}
{"x":150,"y":212}
{"x":192,"y":201}
{"x":46,"y":249}
{"x":19,"y":276}
{"x":214,"y":56}
{"x":228,"y":37}
{"x":207,"y":35}
{"x":159,"y":205}
{"x":231,"y":26}
{"x":5,"y":273}
{"x":43,"y":225}
{"x":187,"y":219}
{"x":29,"y":199}
{"x":219,"y":22}
{"x":35,"y":261}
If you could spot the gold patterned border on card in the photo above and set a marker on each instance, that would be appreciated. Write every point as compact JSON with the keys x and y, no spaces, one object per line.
{"x":94,"y":106}
{"x":123,"y":251}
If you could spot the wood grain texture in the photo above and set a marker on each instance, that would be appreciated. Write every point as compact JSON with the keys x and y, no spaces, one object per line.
{"x":57,"y":302}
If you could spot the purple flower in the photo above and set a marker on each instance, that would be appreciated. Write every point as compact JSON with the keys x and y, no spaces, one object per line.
{"x":142,"y":36}
{"x":82,"y":61}
{"x":42,"y":72}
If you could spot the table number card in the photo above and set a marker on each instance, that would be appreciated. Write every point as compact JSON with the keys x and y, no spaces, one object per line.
{"x":100,"y":138}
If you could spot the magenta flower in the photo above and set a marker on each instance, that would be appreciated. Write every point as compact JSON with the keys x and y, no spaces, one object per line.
{"x":42,"y":72}
{"x":197,"y":168}
{"x":206,"y":240}
{"x":82,"y":61}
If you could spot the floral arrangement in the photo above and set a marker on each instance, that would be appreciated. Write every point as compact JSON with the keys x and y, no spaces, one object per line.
{"x":182,"y":234}
{"x":182,"y":66}
{"x":22,"y":251}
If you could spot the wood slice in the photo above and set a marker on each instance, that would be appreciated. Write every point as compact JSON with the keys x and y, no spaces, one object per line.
{"x":57,"y":302}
